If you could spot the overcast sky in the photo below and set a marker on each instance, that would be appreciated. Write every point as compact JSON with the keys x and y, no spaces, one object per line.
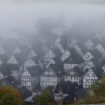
{"x":23,"y":15}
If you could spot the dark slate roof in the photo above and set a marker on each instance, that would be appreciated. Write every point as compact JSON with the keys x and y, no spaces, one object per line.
{"x":97,"y":57}
{"x":6,"y":68}
{"x":35,"y":71}
{"x":57,"y":52}
{"x":78,"y":70}
{"x":102,"y":63}
{"x":12,"y":81}
{"x":69,"y":60}
{"x":58,"y":69}
{"x":77,"y":59}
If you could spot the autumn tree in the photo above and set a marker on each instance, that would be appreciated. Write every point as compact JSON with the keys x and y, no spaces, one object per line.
{"x":10,"y":96}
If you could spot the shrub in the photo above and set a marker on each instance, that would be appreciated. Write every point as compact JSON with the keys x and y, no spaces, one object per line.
{"x":10,"y":96}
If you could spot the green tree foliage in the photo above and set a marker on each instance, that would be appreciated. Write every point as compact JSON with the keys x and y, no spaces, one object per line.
{"x":45,"y":98}
{"x":10,"y":96}
{"x":99,"y":89}
{"x":96,"y":94}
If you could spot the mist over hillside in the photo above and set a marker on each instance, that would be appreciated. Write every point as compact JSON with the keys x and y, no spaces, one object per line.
{"x":57,"y":44}
{"x":24,"y":16}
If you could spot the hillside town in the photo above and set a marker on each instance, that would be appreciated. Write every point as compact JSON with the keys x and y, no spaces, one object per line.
{"x":68,"y":61}
{"x":52,"y":52}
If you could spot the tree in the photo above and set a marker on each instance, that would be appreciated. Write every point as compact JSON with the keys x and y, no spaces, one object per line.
{"x":10,"y":96}
{"x":96,"y":94}
{"x":45,"y":98}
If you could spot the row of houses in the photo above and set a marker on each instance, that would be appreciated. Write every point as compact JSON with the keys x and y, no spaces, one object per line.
{"x":50,"y":78}
{"x":71,"y":63}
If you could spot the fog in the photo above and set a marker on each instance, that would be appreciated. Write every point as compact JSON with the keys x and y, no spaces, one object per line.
{"x":36,"y":36}
{"x":24,"y":15}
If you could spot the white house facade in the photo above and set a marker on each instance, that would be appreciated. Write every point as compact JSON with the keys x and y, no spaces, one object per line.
{"x":26,"y":79}
{"x":89,"y":78}
{"x":48,"y":78}
{"x":72,"y":76}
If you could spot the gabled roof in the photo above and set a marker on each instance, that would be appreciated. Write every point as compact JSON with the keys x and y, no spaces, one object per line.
{"x":12,"y":60}
{"x":101,"y":49}
{"x":97,"y":57}
{"x":89,"y":44}
{"x":98,"y":37}
{"x":88,"y":65}
{"x":50,"y":54}
{"x":26,"y":74}
{"x":57,"y":52}
{"x":30,"y":99}
{"x":65,"y":55}
{"x":73,"y":43}
{"x":89,"y":72}
{"x":17,"y":50}
{"x":29,"y":62}
{"x":76,"y":58}
{"x":59,"y":46}
{"x":32,"y":54}
{"x":88,"y":56}
{"x":78,"y":50}
{"x":52,"y":61}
